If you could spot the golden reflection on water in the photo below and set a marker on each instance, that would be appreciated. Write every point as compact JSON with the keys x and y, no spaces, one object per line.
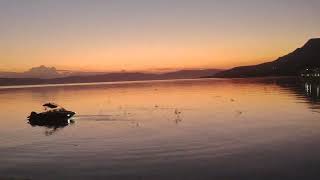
{"x":152,"y":103}
{"x":140,"y":125}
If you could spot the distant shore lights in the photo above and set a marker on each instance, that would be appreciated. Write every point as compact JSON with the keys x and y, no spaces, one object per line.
{"x":310,"y":72}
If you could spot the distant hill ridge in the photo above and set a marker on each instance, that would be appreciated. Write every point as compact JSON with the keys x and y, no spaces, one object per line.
{"x":110,"y":77}
{"x":307,"y":56}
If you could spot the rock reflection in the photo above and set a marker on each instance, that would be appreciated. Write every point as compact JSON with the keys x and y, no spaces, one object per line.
{"x":51,"y":129}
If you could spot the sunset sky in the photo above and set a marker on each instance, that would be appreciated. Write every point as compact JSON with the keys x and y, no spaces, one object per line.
{"x":145,"y":35}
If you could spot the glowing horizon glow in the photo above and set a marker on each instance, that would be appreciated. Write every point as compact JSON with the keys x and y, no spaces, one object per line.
{"x":146,"y":35}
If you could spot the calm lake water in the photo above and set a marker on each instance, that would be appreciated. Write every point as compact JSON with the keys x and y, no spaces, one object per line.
{"x":183,"y":129}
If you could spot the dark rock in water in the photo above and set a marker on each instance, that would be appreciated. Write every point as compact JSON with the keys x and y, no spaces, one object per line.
{"x":51,"y":124}
{"x":54,"y":115}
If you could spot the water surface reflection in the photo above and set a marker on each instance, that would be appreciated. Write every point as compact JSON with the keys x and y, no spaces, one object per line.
{"x":50,"y":129}
{"x":263,"y":128}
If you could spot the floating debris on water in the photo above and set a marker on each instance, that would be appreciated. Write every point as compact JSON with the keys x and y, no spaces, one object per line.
{"x":178,"y":117}
{"x":177,"y":112}
{"x":239,"y":113}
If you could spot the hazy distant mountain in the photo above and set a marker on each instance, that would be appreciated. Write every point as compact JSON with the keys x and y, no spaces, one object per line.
{"x":35,"y":72}
{"x":9,"y":74}
{"x":42,"y":72}
{"x":110,"y":77}
{"x":185,"y":74}
{"x":306,"y":57}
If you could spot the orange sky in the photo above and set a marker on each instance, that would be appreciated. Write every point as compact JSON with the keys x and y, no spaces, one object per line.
{"x":151,"y":35}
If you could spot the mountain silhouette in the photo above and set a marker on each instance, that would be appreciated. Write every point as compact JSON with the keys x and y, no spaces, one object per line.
{"x":307,"y":56}
{"x":110,"y":77}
